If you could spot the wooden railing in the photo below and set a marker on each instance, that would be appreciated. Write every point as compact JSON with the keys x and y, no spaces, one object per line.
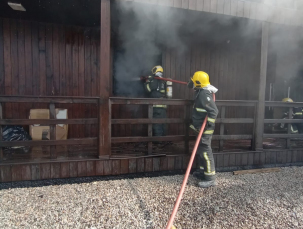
{"x":288,"y":121}
{"x":185,"y":120}
{"x":51,"y":122}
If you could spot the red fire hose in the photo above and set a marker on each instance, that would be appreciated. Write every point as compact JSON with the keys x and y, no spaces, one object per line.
{"x":173,"y":214}
{"x":164,"y":79}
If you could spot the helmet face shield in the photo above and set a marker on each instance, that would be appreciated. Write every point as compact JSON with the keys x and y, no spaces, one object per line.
{"x":160,"y":74}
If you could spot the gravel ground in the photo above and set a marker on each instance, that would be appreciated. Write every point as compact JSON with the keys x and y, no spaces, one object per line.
{"x":271,"y":200}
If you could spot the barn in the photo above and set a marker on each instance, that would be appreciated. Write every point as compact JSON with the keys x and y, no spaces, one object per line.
{"x":86,"y":58}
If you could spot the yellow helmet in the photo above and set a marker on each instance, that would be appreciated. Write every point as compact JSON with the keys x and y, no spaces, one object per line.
{"x":200,"y":79}
{"x":288,"y":100}
{"x":156,"y":69}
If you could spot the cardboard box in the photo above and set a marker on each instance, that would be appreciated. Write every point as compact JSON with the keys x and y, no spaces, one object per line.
{"x":38,"y":132}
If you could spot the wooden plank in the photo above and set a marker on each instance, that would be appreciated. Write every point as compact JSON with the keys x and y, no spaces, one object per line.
{"x":116,"y":167}
{"x":45,"y":171}
{"x":15,"y":64}
{"x":140,"y":165}
{"x":220,"y":6}
{"x":246,"y":9}
{"x":52,"y":115}
{"x":290,"y":113}
{"x":178,"y":162}
{"x":56,"y":61}
{"x":99,"y":168}
{"x":232,"y":159}
{"x":26,"y":172}
{"x":7,"y":64}
{"x":283,"y":136}
{"x":82,"y":169}
{"x":108,"y":168}
{"x":240,"y":9}
{"x":213,"y":5}
{"x":16,"y":173}
{"x":55,"y":170}
{"x":82,"y":80}
{"x":47,"y":121}
{"x":64,"y":169}
{"x":259,"y":127}
{"x":262,"y":158}
{"x":185,"y":4}
{"x":256,"y":158}
{"x":124,"y":166}
{"x":147,"y":120}
{"x":53,"y":99}
{"x":148,"y":166}
{"x":273,"y":157}
{"x":233,"y":7}
{"x":49,"y":59}
{"x":6,"y":173}
{"x":226,"y":160}
{"x":186,"y":128}
{"x":156,"y":164}
{"x":294,"y":156}
{"x":222,"y":128}
{"x":2,"y":70}
{"x":163,"y":164}
{"x":227,"y":7}
{"x":253,"y":171}
{"x":132,"y":165}
{"x":104,"y":128}
{"x":171,"y":163}
{"x":42,"y":59}
{"x":73,"y":169}
{"x":150,"y":130}
{"x":177,"y":3}
{"x":83,"y":141}
{"x":91,"y":168}
{"x":185,"y":162}
{"x":282,"y":121}
{"x":35,"y":170}
{"x":1,"y":133}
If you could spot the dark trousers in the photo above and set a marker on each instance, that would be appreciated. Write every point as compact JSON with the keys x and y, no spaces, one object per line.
{"x":159,"y":129}
{"x":206,"y":157}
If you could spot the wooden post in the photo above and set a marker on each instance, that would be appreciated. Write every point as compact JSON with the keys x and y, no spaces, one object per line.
{"x":259,"y":126}
{"x":150,"y":129}
{"x":222,"y":128}
{"x":104,"y":124}
{"x":186,"y":116}
{"x":52,"y":130}
{"x":1,"y":117}
{"x":289,"y":128}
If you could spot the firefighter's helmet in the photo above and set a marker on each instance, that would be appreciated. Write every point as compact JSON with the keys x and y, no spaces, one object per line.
{"x":200,"y":79}
{"x":156,"y":69}
{"x":288,"y":100}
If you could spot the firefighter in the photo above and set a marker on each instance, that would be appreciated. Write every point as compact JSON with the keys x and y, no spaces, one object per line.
{"x":156,"y":89}
{"x":282,"y":126}
{"x":204,"y":105}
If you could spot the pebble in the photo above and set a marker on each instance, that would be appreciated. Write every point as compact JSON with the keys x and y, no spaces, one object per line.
{"x":245,"y":201}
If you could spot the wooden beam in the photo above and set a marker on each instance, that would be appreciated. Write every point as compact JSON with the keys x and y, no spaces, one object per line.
{"x":283,"y":121}
{"x":47,"y":121}
{"x":81,"y":141}
{"x":283,"y":136}
{"x":186,"y":128}
{"x":105,"y":77}
{"x":52,"y":128}
{"x":289,"y":128}
{"x":38,"y":99}
{"x":1,"y":116}
{"x":252,"y":171}
{"x":259,"y":127}
{"x":150,"y":130}
{"x":222,"y":128}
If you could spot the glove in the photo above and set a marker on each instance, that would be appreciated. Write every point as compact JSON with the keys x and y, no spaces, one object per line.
{"x":150,"y":78}
{"x":190,"y":84}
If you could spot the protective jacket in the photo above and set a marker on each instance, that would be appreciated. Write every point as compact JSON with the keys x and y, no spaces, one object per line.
{"x":155,"y":88}
{"x":204,"y":105}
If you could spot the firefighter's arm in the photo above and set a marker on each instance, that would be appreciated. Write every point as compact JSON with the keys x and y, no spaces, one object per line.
{"x":149,"y":84}
{"x":209,"y":105}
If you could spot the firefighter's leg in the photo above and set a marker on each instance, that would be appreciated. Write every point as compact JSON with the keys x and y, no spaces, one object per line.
{"x":207,"y":161}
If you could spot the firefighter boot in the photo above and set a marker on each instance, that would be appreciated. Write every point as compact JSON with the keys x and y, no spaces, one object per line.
{"x":199,"y":173}
{"x":210,"y":180}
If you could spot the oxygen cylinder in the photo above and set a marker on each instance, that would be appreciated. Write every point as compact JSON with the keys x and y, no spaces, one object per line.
{"x":169,"y":89}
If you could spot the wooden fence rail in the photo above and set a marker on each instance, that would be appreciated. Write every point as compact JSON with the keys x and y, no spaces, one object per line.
{"x":187,"y":104}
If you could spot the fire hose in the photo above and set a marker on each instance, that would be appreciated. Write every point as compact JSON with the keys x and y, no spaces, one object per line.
{"x":164,"y":79}
{"x":190,"y":163}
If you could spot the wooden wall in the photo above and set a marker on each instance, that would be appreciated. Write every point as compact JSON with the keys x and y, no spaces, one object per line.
{"x":224,"y":161}
{"x":43,"y":59}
